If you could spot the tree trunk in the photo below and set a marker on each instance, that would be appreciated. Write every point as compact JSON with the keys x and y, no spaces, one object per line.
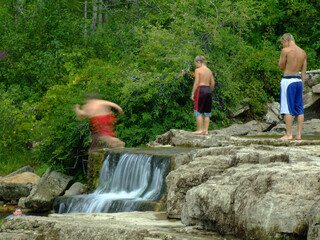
{"x":94,"y":17}
{"x":85,"y":31}
{"x":100,"y":13}
{"x":19,"y":6}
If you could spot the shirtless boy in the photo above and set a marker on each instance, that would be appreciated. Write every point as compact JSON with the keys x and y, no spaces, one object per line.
{"x":292,"y":59}
{"x":102,"y":120}
{"x":202,"y":95}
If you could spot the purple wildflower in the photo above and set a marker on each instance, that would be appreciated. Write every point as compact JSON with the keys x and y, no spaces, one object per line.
{"x":3,"y":54}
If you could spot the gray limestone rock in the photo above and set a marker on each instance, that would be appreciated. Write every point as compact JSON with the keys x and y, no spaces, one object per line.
{"x":316,"y":89}
{"x":269,"y":192}
{"x":102,"y":226}
{"x":51,"y":185}
{"x":21,"y":170}
{"x":17,"y":185}
{"x":76,"y":189}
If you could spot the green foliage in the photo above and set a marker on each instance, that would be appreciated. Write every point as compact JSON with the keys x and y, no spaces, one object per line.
{"x":13,"y":159}
{"x":17,"y":120}
{"x":41,"y":46}
{"x":141,"y":58}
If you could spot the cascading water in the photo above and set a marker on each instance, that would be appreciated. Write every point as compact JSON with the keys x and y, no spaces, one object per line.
{"x":128,"y":182}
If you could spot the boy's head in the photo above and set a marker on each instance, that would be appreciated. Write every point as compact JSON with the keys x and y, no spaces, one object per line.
{"x":17,"y":211}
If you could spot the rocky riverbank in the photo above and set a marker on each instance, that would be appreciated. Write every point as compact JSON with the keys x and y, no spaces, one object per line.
{"x":249,"y":187}
{"x":254,"y":188}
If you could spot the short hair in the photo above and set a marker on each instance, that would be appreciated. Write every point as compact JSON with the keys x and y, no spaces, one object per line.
{"x":200,"y":59}
{"x":288,"y":37}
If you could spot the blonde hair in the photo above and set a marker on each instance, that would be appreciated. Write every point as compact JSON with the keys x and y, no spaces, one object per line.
{"x":288,"y":37}
{"x":200,"y":59}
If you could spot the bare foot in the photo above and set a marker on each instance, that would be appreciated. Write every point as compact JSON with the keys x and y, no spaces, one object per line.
{"x":286,"y":137}
{"x":298,"y":138}
{"x":204,"y":133}
{"x":197,"y":132}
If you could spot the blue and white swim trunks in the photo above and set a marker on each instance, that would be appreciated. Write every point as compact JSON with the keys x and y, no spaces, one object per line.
{"x":291,"y":95}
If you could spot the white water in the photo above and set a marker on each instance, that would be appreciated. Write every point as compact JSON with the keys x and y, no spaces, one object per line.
{"x":125,"y":185}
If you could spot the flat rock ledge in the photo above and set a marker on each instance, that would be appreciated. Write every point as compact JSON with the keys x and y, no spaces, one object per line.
{"x":252,"y":187}
{"x":104,"y":226}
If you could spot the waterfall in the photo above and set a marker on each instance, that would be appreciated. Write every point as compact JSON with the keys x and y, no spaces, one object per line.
{"x":128,"y":182}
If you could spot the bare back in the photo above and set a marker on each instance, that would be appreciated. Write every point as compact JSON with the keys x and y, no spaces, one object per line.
{"x":292,"y":60}
{"x":96,"y":107}
{"x":204,"y":75}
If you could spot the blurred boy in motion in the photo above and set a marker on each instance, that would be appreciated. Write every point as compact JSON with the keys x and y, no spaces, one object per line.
{"x":102,"y":120}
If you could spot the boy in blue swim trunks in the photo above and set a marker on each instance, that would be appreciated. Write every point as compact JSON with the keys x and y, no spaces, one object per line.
{"x":292,"y":59}
{"x":202,"y":95}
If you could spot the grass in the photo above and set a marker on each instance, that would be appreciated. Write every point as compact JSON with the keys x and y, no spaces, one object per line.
{"x":12,"y":160}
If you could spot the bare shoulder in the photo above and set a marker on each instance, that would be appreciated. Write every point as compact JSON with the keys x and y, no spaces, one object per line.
{"x":285,"y":50}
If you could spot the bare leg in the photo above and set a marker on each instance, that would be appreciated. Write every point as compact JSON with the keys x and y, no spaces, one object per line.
{"x":206,"y":125}
{"x":300,"y":123}
{"x":94,"y":146}
{"x":112,"y":142}
{"x":288,"y":120}
{"x":199,"y":125}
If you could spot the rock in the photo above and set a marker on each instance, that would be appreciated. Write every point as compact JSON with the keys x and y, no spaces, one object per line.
{"x":272,"y":116}
{"x":51,"y":185}
{"x":263,"y":196}
{"x":316,"y":89}
{"x":314,"y":222}
{"x":102,"y":226}
{"x":21,"y":170}
{"x":309,"y":127}
{"x":252,"y":127}
{"x":193,"y":174}
{"x":312,"y":79}
{"x":309,"y":99}
{"x":76,"y":189}
{"x":17,"y":186}
{"x":24,"y":178}
{"x":241,"y":110}
{"x":187,"y":139}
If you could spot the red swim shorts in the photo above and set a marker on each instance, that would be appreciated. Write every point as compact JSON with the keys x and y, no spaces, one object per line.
{"x":103,"y":125}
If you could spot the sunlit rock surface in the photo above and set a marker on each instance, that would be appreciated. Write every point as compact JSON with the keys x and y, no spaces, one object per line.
{"x":255,"y":187}
{"x":76,"y":226}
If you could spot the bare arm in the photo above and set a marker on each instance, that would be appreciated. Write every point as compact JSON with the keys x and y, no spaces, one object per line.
{"x":304,"y":70}
{"x":283,"y":59}
{"x":212,"y":82}
{"x":114,"y":105}
{"x":195,"y":84}
{"x":79,"y":112}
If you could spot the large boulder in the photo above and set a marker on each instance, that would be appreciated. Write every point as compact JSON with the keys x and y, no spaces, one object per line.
{"x":51,"y":185}
{"x":272,"y":116}
{"x":18,"y":185}
{"x":188,"y":176}
{"x":269,"y":192}
{"x":21,"y":170}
